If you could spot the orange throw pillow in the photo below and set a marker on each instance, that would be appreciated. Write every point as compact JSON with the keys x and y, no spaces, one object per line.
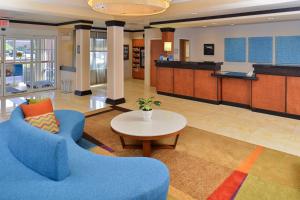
{"x":39,"y":108}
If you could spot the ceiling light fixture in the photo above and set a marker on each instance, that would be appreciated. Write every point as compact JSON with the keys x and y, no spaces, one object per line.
{"x":129,"y":7}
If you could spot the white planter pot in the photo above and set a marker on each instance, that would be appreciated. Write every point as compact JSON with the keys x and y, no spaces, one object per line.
{"x":147,"y":115}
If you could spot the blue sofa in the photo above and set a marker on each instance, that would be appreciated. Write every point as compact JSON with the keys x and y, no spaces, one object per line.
{"x":35,"y":165}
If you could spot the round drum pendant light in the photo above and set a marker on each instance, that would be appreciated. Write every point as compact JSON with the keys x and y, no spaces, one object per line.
{"x":129,"y":7}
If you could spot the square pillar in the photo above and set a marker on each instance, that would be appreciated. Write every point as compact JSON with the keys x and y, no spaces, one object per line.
{"x":115,"y":62}
{"x":82,"y":86}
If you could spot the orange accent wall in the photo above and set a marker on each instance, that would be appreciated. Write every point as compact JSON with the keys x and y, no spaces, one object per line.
{"x":268,"y":92}
{"x":236,"y":90}
{"x":165,"y":81}
{"x":184,"y":82}
{"x":293,"y":95}
{"x":206,"y":86}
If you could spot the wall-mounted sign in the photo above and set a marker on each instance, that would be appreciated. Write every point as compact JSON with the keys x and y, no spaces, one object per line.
{"x":126,"y":52}
{"x":78,"y":49}
{"x":209,"y":49}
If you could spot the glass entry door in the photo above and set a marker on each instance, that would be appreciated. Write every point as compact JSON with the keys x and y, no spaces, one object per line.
{"x":17,"y":65}
{"x":28,"y":64}
{"x":44,"y":62}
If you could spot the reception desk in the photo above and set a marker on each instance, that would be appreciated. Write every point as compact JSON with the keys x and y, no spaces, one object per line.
{"x":271,"y":89}
{"x":191,"y":80}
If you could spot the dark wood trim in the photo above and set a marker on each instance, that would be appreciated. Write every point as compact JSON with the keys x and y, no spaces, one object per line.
{"x":115,"y":23}
{"x":67,"y":68}
{"x":239,"y":105}
{"x":115,"y":101}
{"x":280,"y":70}
{"x":134,"y":31}
{"x":31,"y":22}
{"x":189,"y":98}
{"x":280,"y":114}
{"x":99,"y":28}
{"x":50,"y":24}
{"x":190,"y":65}
{"x":251,"y":13}
{"x":148,"y":27}
{"x":75,"y":22}
{"x":167,"y":30}
{"x":99,"y":113}
{"x":83,"y":93}
{"x":83,"y":27}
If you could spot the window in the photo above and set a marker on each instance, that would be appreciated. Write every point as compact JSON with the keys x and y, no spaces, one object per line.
{"x":29,"y":64}
{"x":98,"y":58}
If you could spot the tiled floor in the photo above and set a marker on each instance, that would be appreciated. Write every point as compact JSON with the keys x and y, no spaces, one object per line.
{"x":271,"y":131}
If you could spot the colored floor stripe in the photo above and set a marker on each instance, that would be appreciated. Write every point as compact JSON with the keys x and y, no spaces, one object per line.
{"x":246,"y":165}
{"x":230,"y":187}
{"x":227,"y":190}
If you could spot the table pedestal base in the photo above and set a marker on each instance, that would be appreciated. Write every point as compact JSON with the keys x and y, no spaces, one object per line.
{"x":147,"y":146}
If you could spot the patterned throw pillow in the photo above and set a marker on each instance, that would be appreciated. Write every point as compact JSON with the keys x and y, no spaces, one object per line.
{"x":38,"y":108}
{"x":46,"y":122}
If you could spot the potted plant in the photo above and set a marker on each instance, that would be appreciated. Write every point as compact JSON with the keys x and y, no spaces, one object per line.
{"x":19,"y":55}
{"x":145,"y":104}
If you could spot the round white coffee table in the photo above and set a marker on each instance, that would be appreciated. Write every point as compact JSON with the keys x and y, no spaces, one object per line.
{"x":164,"y":124}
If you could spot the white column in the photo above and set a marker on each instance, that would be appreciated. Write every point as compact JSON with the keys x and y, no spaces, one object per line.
{"x":83,"y":60}
{"x":115,"y":62}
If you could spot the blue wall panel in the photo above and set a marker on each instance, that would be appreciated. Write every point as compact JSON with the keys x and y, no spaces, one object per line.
{"x":288,"y":50}
{"x":260,"y":49}
{"x":235,"y":49}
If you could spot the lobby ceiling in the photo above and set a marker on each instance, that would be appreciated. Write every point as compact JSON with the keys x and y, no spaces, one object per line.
{"x":57,"y":11}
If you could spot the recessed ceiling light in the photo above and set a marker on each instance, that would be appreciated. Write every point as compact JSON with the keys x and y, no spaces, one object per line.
{"x":194,"y":13}
{"x":271,"y":18}
{"x":232,"y":24}
{"x":214,"y":23}
{"x":204,"y":26}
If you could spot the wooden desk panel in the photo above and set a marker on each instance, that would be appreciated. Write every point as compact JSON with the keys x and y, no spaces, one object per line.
{"x":268,"y":93}
{"x":165,"y":81}
{"x":184,"y":82}
{"x":236,"y":90}
{"x":293,"y":95}
{"x":206,"y":86}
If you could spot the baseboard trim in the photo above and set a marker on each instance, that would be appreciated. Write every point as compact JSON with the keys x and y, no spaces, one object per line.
{"x":280,"y":114}
{"x":239,"y":105}
{"x":83,"y":93}
{"x":189,"y":98}
{"x":115,"y":101}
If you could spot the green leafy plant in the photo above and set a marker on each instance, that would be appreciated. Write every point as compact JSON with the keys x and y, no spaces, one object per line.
{"x":19,"y":55}
{"x":145,"y":104}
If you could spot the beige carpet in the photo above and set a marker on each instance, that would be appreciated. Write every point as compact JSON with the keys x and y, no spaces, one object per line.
{"x":202,"y":161}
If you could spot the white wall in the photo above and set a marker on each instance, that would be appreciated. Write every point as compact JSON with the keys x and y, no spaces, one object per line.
{"x":128,"y":63}
{"x":199,"y":36}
